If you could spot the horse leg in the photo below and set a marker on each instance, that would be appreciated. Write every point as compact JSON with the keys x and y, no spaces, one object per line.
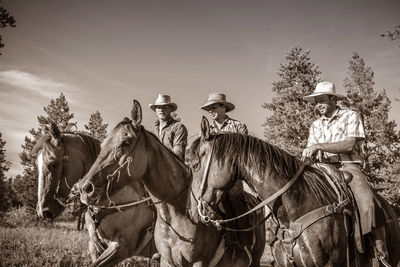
{"x":112,"y":255}
{"x":95,"y":245}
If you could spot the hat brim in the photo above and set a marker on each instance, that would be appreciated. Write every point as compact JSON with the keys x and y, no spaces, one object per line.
{"x":229,"y":106}
{"x":311,"y":98}
{"x":173,"y":105}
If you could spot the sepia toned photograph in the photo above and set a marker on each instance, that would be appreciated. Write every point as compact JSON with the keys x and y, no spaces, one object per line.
{"x":199,"y":133}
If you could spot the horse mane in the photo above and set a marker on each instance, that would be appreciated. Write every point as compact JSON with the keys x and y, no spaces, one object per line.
{"x":246,"y":151}
{"x":92,"y":143}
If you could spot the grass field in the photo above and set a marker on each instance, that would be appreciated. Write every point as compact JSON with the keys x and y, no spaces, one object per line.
{"x":55,"y":244}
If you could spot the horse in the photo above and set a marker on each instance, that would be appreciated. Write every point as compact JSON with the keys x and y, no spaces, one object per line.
{"x":131,"y":153}
{"x":62,"y":159}
{"x":313,"y":227}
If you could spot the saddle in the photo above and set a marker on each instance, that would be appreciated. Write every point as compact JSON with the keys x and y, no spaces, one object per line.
{"x":341,"y":180}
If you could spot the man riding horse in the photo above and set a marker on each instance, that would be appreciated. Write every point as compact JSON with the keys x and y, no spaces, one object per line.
{"x":172,"y":133}
{"x":336,"y":138}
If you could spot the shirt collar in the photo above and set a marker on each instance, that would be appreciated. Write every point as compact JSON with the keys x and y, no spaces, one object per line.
{"x":335,"y":114}
{"x":169,"y":122}
{"x":226,"y":121}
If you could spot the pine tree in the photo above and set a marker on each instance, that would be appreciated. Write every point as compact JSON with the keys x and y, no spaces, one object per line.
{"x":393,"y":34}
{"x":291,"y":117}
{"x":382,"y":142}
{"x":6,"y":20}
{"x":27,"y":183}
{"x":95,"y":127}
{"x":4,"y":167}
{"x":58,"y":112}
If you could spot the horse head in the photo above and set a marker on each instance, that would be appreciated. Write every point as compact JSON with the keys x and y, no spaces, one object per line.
{"x":212,"y":174}
{"x":108,"y":172}
{"x":59,"y":166}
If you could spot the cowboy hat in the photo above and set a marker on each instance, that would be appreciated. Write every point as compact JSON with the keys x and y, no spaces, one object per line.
{"x":163,"y":100}
{"x":218,"y":98}
{"x":324,"y":88}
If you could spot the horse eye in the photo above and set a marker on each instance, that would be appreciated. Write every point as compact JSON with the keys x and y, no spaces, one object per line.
{"x":196,"y":166}
{"x":126,"y":143}
{"x":51,"y":166}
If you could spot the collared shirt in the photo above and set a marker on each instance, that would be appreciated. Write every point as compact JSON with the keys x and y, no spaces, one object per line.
{"x":342,"y":124}
{"x":173,"y":135}
{"x":229,"y":125}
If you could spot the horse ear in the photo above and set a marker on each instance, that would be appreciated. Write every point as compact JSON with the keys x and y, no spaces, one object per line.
{"x":55,"y":132}
{"x":205,"y":128}
{"x":136,"y":112}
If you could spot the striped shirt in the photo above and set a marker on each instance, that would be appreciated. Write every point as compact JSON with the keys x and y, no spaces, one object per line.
{"x":229,"y":125}
{"x":342,"y":124}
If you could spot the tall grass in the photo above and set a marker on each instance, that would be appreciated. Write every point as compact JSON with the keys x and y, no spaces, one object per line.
{"x":38,"y":246}
{"x":41,"y":243}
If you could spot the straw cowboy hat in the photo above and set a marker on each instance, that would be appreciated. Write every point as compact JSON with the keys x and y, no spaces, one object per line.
{"x":324,"y":88}
{"x":163,"y":100}
{"x":218,"y":98}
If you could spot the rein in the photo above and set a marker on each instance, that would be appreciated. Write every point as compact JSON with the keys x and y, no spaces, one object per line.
{"x":274,"y":196}
{"x":117,"y":173}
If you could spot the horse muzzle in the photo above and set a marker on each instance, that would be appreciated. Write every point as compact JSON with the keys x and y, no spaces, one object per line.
{"x":89,"y":194}
{"x":207,"y":214}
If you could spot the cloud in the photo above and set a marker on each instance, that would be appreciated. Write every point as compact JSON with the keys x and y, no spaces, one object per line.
{"x":40,"y":86}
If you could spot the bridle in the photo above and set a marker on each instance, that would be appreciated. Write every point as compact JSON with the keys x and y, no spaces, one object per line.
{"x":63,"y":200}
{"x":286,"y":235}
{"x":265,"y":202}
{"x":114,"y":176}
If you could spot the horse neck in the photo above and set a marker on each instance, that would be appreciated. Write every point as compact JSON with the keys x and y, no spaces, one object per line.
{"x":167,"y":178}
{"x":82,"y":151}
{"x":291,"y":204}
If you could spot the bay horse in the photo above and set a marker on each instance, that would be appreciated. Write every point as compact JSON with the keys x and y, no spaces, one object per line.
{"x":313,"y":228}
{"x":62,"y":159}
{"x":130,"y":153}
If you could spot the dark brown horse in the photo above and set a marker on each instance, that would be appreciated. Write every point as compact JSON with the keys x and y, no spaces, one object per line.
{"x":312,"y":226}
{"x":129,"y":154}
{"x":64,"y":158}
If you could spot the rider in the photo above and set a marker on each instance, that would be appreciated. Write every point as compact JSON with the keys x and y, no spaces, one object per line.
{"x":171,"y":132}
{"x":336,"y":138}
{"x":217,"y":107}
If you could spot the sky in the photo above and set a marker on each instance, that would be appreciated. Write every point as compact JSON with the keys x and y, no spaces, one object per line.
{"x":103,"y":54}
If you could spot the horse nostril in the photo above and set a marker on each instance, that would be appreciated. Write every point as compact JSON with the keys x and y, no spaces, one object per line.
{"x":88,"y":189}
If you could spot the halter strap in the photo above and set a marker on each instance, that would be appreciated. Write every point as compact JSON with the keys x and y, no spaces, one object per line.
{"x":271,"y":198}
{"x":260,"y":205}
{"x":64,"y":174}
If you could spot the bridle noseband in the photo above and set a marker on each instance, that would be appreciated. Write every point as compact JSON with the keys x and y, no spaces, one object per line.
{"x":114,"y":176}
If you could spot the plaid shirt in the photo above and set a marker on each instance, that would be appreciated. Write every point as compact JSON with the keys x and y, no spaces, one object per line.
{"x":173,"y":135}
{"x":229,"y":125}
{"x":342,"y":124}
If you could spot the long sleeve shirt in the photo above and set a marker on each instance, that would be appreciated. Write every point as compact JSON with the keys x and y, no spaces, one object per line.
{"x":173,"y":135}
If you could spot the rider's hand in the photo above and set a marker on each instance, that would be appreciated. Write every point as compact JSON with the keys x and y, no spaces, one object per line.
{"x":309,"y":152}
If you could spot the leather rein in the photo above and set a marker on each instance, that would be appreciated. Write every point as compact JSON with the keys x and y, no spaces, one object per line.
{"x":303,"y":222}
{"x":270,"y":199}
{"x":115,"y":176}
